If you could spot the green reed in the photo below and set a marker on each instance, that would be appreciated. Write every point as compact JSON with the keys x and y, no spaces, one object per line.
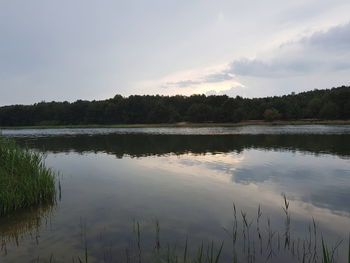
{"x":24,"y":179}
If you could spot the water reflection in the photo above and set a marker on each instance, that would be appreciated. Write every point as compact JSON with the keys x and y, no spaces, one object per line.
{"x":15,"y":227}
{"x":188,"y":183}
{"x":138,"y":145}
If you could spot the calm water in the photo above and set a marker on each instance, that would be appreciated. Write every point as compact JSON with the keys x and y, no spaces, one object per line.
{"x":187,"y":179}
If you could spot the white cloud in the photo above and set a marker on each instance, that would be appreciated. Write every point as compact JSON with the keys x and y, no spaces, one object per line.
{"x":320,"y":60}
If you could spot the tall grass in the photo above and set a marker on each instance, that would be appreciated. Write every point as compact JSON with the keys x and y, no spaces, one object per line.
{"x":24,"y":179}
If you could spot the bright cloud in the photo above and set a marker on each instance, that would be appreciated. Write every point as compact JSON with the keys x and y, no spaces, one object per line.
{"x":310,"y":59}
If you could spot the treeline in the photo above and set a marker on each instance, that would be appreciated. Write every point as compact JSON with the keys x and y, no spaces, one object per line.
{"x":327,"y":104}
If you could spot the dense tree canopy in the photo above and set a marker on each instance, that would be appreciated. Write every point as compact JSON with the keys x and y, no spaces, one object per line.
{"x":317,"y":104}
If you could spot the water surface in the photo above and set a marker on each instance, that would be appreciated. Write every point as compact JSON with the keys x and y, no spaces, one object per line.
{"x":187,"y":179}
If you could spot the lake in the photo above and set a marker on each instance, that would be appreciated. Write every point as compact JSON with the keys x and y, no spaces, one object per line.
{"x":131,"y":194}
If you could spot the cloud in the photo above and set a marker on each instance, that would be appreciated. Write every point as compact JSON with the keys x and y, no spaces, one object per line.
{"x":296,"y":62}
{"x":206,"y":79}
{"x":274,"y":68}
{"x":321,"y":52}
{"x":57,"y":50}
{"x":336,"y":39}
{"x":218,"y":77}
{"x":180,"y":84}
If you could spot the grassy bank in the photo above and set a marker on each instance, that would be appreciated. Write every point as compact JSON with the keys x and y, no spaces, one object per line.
{"x":24,"y":179}
{"x":185,"y":124}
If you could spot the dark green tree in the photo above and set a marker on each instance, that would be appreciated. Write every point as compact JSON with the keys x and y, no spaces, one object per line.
{"x":271,"y":114}
{"x":329,"y":111}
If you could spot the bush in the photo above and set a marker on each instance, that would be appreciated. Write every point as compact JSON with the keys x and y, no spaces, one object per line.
{"x":271,"y":114}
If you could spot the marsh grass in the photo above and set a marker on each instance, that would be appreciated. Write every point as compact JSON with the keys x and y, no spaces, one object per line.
{"x":252,"y":239}
{"x":24,"y":179}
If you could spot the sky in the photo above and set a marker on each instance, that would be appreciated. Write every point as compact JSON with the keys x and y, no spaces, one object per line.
{"x":86,"y":49}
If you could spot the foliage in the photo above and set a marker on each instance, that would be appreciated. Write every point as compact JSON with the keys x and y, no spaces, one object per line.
{"x":271,"y":114}
{"x":327,"y":104}
{"x":329,"y":111}
{"x":24,"y":179}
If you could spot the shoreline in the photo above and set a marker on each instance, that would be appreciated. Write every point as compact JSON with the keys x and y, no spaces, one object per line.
{"x":183,"y":125}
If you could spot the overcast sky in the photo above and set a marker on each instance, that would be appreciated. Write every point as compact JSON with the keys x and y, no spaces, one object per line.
{"x":87,"y":49}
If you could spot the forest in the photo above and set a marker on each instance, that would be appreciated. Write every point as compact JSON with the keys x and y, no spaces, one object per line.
{"x":328,"y":104}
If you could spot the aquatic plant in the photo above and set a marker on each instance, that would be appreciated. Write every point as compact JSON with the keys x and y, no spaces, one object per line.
{"x":263,"y":245}
{"x":24,"y":179}
{"x":253,"y":239}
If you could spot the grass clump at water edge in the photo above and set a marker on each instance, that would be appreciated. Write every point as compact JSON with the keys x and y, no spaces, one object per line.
{"x":24,"y":179}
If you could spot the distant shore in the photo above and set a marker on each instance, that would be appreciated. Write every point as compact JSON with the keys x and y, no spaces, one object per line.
{"x":186,"y":124}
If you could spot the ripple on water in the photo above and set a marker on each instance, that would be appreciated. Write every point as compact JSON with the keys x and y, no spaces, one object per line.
{"x":251,"y":129}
